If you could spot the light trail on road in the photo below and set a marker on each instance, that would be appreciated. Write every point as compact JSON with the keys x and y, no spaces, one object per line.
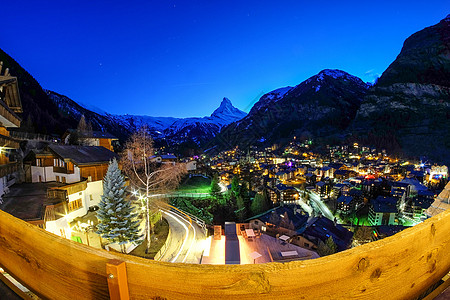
{"x":322,"y":206}
{"x":186,"y":237}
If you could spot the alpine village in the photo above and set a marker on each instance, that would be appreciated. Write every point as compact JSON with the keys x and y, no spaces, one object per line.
{"x":330,"y":189}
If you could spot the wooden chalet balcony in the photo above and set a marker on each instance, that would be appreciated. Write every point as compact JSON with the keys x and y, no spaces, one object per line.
{"x":403,"y":266}
{"x":55,"y":195}
{"x":7,"y":116}
{"x":55,"y":211}
{"x":8,"y":169}
{"x":62,"y":170}
{"x":8,"y":142}
{"x":61,"y":194}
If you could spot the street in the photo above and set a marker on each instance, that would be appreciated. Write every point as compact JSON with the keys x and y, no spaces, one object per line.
{"x":186,"y":241}
{"x":317,"y":202}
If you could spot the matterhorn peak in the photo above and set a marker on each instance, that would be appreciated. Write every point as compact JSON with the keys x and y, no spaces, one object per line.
{"x":226,"y":102}
{"x":226,"y":108}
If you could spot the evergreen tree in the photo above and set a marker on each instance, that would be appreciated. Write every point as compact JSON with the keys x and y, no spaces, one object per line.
{"x":331,"y":244}
{"x":327,"y":248}
{"x":241,"y":210}
{"x":245,"y":194}
{"x":257,"y":206}
{"x":117,"y":219}
{"x":215,"y":187}
{"x":235,"y":186}
{"x":260,"y":203}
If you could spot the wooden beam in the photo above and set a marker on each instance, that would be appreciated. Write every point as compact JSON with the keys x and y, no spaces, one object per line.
{"x":117,"y":280}
{"x":402,"y":266}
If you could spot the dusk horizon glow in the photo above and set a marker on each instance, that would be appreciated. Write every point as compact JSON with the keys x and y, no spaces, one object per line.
{"x":180,"y":59}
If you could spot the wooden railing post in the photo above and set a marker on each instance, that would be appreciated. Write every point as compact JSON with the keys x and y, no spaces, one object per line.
{"x":116,"y":271}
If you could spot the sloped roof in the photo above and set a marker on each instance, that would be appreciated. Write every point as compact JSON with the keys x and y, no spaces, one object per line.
{"x":80,"y":155}
{"x":384,"y":205}
{"x":345,"y":199}
{"x":323,"y":228}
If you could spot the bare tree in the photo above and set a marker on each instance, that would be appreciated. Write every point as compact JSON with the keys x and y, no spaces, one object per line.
{"x":147,"y":175}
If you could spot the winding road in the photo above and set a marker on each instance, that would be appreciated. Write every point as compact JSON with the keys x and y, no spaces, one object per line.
{"x":186,"y":240}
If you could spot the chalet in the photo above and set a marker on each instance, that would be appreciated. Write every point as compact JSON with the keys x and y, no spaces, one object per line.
{"x":323,"y":188}
{"x":326,"y":172}
{"x":322,"y":228}
{"x":92,"y":138}
{"x":400,"y":189}
{"x":288,"y":220}
{"x":344,"y":174}
{"x":283,"y":193}
{"x":67,"y":163}
{"x":78,"y":170}
{"x":10,"y":106}
{"x":383,"y":211}
{"x":310,"y":179}
{"x":345,"y":204}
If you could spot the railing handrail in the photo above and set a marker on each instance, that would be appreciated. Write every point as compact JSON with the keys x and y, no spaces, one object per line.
{"x":402,"y":266}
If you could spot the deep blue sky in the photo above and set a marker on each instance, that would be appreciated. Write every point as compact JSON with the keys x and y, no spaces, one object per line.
{"x":180,"y":58}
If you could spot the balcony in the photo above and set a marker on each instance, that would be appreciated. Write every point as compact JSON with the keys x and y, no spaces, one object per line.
{"x":62,"y":170}
{"x":8,"y":142}
{"x":7,"y":116}
{"x":403,"y":266}
{"x":8,"y":169}
{"x":55,"y":211}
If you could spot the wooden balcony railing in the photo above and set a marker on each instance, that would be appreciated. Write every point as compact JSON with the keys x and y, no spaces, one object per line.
{"x":8,"y":116}
{"x":8,"y":169}
{"x":8,"y":142}
{"x":399,"y":267}
{"x":59,"y":194}
{"x":55,"y":195}
{"x":62,"y":170}
{"x":55,"y":211}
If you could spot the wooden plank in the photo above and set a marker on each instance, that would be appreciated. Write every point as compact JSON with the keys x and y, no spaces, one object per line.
{"x":117,"y":280}
{"x":402,"y":266}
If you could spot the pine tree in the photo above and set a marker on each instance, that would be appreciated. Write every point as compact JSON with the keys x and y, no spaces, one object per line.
{"x":215,"y":187}
{"x":117,"y":219}
{"x":331,"y":244}
{"x":241,"y":210}
{"x":235,"y":186}
{"x":259,"y":204}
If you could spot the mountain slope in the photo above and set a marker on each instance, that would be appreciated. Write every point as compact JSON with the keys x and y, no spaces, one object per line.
{"x":200,"y":130}
{"x":175,"y":130}
{"x":323,"y":104}
{"x":40,"y":114}
{"x":408,"y":110}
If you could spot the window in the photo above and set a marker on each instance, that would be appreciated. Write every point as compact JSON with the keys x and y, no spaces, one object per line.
{"x":63,"y":179}
{"x":74,"y":205}
{"x":40,"y":178}
{"x":91,"y":198}
{"x":57,"y":178}
{"x":38,"y":162}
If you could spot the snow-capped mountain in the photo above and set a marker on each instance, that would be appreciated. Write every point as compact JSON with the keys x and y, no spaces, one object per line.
{"x":323,"y":104}
{"x":203,"y":129}
{"x":172,"y":129}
